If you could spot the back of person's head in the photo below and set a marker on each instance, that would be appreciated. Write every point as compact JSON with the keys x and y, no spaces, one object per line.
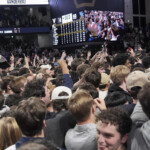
{"x":5,"y":83}
{"x":9,"y":132}
{"x":135,"y":81}
{"x":92,"y":76}
{"x":29,"y":76}
{"x":138,"y":69}
{"x":17,"y":84}
{"x":99,"y":66}
{"x":33,"y":146}
{"x":120,"y":59}
{"x":76,"y":62}
{"x":81,"y":69}
{"x":34,"y":88}
{"x":80,"y":105}
{"x":58,"y":81}
{"x":30,"y":115}
{"x":59,"y":97}
{"x":13,"y":100}
{"x":90,"y":88}
{"x":119,"y":73}
{"x":23,"y":71}
{"x":49,"y":144}
{"x":14,"y":72}
{"x":118,"y":118}
{"x":146,"y":62}
{"x":144,"y":98}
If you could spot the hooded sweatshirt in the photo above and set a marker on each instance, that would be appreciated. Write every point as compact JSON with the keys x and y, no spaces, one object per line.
{"x":141,"y":138}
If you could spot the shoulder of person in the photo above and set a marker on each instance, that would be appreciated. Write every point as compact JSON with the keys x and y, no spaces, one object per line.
{"x":12,"y":147}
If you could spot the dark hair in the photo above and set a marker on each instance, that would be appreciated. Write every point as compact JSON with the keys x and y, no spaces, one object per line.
{"x":146,"y":62}
{"x":134,"y":91}
{"x":76,"y":62}
{"x":116,"y":98}
{"x":17,"y":83}
{"x":34,"y":88}
{"x":14,"y":72}
{"x":1,"y":100}
{"x":81,"y":69}
{"x":58,"y":80}
{"x":5,"y":82}
{"x":92,"y":76}
{"x":90,"y":88}
{"x":60,"y":104}
{"x":120,"y":59}
{"x":29,"y":115}
{"x":13,"y":99}
{"x":23,"y":71}
{"x":118,"y":118}
{"x":144,"y":98}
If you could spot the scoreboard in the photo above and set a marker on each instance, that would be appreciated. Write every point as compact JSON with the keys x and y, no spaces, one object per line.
{"x":70,"y":31}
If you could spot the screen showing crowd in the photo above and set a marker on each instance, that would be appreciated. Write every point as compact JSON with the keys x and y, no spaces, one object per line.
{"x":103,"y":25}
{"x":87,"y":26}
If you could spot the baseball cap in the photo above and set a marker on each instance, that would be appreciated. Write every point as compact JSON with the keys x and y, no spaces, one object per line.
{"x":46,"y":66}
{"x":60,"y":89}
{"x":104,"y":79}
{"x":136,"y":78}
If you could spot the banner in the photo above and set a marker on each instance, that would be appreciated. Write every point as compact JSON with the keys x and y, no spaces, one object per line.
{"x":24,"y":2}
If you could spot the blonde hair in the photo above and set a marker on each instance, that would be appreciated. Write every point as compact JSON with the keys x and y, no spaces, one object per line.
{"x":9,"y":132}
{"x":119,"y":73}
{"x":80,"y":105}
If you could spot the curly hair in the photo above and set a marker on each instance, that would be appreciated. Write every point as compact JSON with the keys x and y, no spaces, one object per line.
{"x":34,"y":88}
{"x":118,"y":118}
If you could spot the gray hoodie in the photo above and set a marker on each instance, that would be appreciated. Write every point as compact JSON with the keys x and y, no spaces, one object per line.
{"x":141,"y":138}
{"x":5,"y":109}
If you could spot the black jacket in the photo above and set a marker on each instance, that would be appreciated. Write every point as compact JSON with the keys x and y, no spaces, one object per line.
{"x":117,"y":96}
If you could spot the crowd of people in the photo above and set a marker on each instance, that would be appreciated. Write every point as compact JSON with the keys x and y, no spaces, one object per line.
{"x":104,"y":24}
{"x":21,"y":17}
{"x":56,"y":101}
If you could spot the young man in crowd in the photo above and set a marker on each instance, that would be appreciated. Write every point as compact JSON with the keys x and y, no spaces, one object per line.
{"x":112,"y":130}
{"x":135,"y":81}
{"x":139,"y":137}
{"x":30,"y":117}
{"x":57,"y":127}
{"x":83,"y":135}
{"x":117,"y":93}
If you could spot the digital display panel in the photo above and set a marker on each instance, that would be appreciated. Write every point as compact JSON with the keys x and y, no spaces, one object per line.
{"x":24,"y":2}
{"x":69,"y":29}
{"x":88,"y":26}
{"x":103,"y":25}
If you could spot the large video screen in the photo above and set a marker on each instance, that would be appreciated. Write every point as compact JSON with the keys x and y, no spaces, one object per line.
{"x":69,"y":29}
{"x":88,"y":26}
{"x":24,"y":2}
{"x":103,"y":25}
